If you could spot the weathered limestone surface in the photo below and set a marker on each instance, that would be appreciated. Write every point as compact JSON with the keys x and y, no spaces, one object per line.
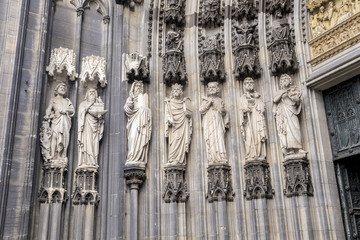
{"x":30,"y":29}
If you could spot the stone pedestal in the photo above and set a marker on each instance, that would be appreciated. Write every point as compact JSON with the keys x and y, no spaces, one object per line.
{"x":52,"y":195}
{"x":297,"y":176}
{"x":134,"y":176}
{"x":85,"y":199}
{"x":175,"y":184}
{"x":219,"y":183}
{"x":258,"y":181}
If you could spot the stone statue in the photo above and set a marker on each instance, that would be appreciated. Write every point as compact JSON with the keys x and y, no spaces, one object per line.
{"x":287,"y":107}
{"x":90,"y":128}
{"x":138,"y":126}
{"x":178,"y":126}
{"x":245,"y":33}
{"x":215,"y":122}
{"x":252,"y":122}
{"x":55,"y":131}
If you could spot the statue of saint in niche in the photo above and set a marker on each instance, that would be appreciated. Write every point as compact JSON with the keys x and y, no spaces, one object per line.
{"x":215,"y":122}
{"x":138,"y":126}
{"x":252,"y":122}
{"x":55,"y":131}
{"x":90,"y":128}
{"x":178,"y":126}
{"x":287,"y":107}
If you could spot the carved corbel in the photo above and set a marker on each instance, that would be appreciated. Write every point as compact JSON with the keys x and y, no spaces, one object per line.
{"x":62,"y":59}
{"x":211,"y":13}
{"x":175,"y":185}
{"x":92,"y":67}
{"x":173,"y":60}
{"x":245,"y":50}
{"x":211,"y":59}
{"x":219,"y":183}
{"x":136,"y":67}
{"x":86,"y":191}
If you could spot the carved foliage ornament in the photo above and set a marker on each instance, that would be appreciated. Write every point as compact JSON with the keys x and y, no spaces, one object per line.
{"x":258,"y":182}
{"x":211,"y":13}
{"x":174,"y":12}
{"x":219,"y":183}
{"x":243,"y":9}
{"x":211,"y":59}
{"x":174,"y":60}
{"x":282,"y":52}
{"x":62,"y":59}
{"x":245,"y":41}
{"x":91,"y":67}
{"x":136,"y":67}
{"x":175,"y":185}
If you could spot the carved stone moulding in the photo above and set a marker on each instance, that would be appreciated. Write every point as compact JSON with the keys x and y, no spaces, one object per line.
{"x":283,"y":58}
{"x":134,"y":175}
{"x":81,"y":5}
{"x":174,"y":12}
{"x":92,"y":67}
{"x":219,"y":183}
{"x":62,"y":59}
{"x":52,"y":187}
{"x":246,"y":62}
{"x":211,"y":59}
{"x":174,"y":68}
{"x":211,"y":13}
{"x":175,"y":184}
{"x":86,"y":191}
{"x":258,"y":181}
{"x":278,"y":8}
{"x":243,"y":9}
{"x":297,"y":176}
{"x":335,"y":40}
{"x":136,"y":67}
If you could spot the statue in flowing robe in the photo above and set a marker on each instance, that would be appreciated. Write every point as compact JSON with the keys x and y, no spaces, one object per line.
{"x":215,"y":122}
{"x":138,"y":125}
{"x":252,"y":122}
{"x":287,"y":107}
{"x":90,"y":128}
{"x":55,"y":130}
{"x":178,"y":126}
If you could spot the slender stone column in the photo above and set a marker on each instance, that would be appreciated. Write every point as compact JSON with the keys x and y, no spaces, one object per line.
{"x":134,"y":176}
{"x":223,"y":224}
{"x":182,"y":221}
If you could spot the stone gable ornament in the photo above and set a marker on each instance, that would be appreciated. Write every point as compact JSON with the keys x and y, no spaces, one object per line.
{"x":215,"y":123}
{"x":90,"y":129}
{"x":178,"y":126}
{"x":55,"y":129}
{"x":136,"y":67}
{"x":174,"y":12}
{"x":252,"y":122}
{"x":138,"y":126}
{"x":211,"y":59}
{"x":62,"y":59}
{"x":211,"y":13}
{"x":287,"y":107}
{"x":92,"y":67}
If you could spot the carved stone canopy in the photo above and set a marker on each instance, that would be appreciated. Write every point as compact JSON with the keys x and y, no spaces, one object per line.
{"x":243,"y":9}
{"x":211,"y":59}
{"x":62,"y":59}
{"x":174,"y":12}
{"x":136,"y":67}
{"x":92,"y":67}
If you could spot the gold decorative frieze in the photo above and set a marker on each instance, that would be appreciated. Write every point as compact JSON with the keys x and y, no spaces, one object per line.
{"x":336,"y":39}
